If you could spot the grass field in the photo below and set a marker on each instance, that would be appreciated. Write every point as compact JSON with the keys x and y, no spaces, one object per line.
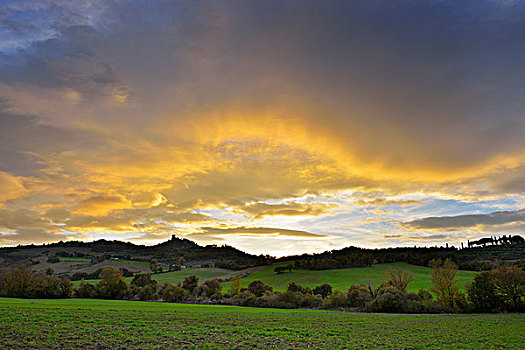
{"x":175,"y":277}
{"x":128,"y":262}
{"x":341,"y":279}
{"x":105,"y":324}
{"x":61,"y":258}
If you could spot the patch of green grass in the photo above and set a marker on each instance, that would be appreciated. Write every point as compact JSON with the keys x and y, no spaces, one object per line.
{"x":203,"y":274}
{"x":128,"y":262}
{"x":61,"y":258}
{"x":105,"y":324}
{"x":175,"y":277}
{"x":341,"y":279}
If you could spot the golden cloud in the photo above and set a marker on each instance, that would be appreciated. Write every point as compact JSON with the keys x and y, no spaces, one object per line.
{"x":260,"y":209}
{"x":10,"y":187}
{"x":99,"y":205}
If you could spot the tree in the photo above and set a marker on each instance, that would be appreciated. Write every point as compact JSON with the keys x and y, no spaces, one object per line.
{"x":258,"y":288}
{"x":147,"y":292}
{"x":85,"y":290}
{"x":388,"y":299}
{"x":235,"y":286}
{"x":112,"y":284}
{"x":294,"y":287}
{"x":190,"y":283}
{"x":444,"y":283}
{"x":358,"y":296}
{"x":323,"y":290}
{"x":279,"y":269}
{"x":17,"y":282}
{"x":482,"y":293}
{"x":399,"y":279}
{"x":142,"y":280}
{"x":214,"y":286}
{"x":509,"y":282}
{"x":53,"y":259}
{"x":173,"y":293}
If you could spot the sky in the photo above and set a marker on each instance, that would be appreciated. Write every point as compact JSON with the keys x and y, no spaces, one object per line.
{"x":277,"y":127}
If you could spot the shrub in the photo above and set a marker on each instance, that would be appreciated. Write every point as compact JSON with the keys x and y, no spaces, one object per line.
{"x":52,"y":259}
{"x":247,"y":298}
{"x":388,"y":300}
{"x":258,"y":288}
{"x":294,"y":287}
{"x":323,"y":290}
{"x":358,"y":296}
{"x":142,"y":280}
{"x":235,"y":286}
{"x":148,"y":292}
{"x":190,"y":283}
{"x":336,"y":300}
{"x":85,"y":290}
{"x":173,"y":293}
{"x":214,"y":287}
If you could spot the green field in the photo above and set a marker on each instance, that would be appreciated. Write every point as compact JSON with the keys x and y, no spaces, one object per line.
{"x":341,"y":279}
{"x":128,"y":262}
{"x":105,"y":324}
{"x":175,"y":277}
{"x":61,"y":258}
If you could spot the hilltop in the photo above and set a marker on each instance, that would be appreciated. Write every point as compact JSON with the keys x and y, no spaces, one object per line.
{"x":75,"y":257}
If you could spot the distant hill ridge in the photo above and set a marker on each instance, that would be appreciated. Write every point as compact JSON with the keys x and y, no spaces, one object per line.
{"x":181,"y":251}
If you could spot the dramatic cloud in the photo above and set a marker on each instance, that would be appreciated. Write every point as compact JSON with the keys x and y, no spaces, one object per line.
{"x":102,"y":205}
{"x":259,"y":210}
{"x":340,"y":119}
{"x":463,"y":221}
{"x":10,"y":187}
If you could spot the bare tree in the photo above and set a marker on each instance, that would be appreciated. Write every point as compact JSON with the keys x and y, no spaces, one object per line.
{"x":399,"y":278}
{"x":444,"y":282}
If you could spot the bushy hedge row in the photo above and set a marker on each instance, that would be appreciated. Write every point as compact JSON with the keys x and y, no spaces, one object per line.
{"x":501,"y":289}
{"x":21,"y":282}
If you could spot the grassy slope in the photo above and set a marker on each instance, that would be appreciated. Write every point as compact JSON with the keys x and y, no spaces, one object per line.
{"x":61,"y":258}
{"x":341,"y":279}
{"x":80,"y":324}
{"x":175,"y":277}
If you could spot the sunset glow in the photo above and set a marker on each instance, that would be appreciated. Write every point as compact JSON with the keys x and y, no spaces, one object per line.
{"x":271,"y":126}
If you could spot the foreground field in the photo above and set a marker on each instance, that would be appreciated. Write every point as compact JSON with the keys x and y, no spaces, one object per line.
{"x":103,"y":324}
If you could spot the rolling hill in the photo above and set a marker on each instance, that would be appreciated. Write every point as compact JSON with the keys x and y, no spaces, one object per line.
{"x":339,"y":279}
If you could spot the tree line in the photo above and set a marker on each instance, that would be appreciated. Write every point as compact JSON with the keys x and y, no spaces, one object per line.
{"x":477,"y":259}
{"x":501,"y":289}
